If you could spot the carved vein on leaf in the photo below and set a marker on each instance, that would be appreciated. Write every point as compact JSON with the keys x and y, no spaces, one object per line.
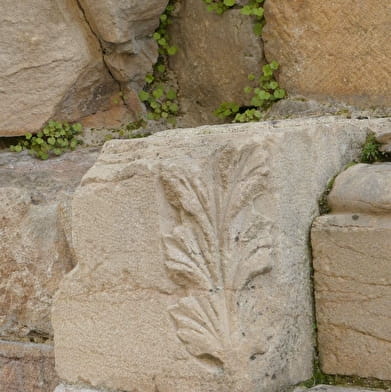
{"x":219,"y":243}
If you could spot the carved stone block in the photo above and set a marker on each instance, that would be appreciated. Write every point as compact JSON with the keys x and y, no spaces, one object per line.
{"x":193,"y":259}
{"x":352,"y":263}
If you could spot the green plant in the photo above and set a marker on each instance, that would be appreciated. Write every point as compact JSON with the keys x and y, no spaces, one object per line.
{"x":54,"y":139}
{"x":324,"y":207}
{"x":161,"y":35}
{"x":159,"y":97}
{"x":162,"y":103}
{"x":219,"y":6}
{"x":252,"y":8}
{"x":265,"y":91}
{"x":371,"y":151}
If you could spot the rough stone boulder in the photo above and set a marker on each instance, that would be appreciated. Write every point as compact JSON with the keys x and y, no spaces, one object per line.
{"x":332,"y":50}
{"x":193,"y":269}
{"x":352,"y":263}
{"x":35,"y":248}
{"x":51,"y":66}
{"x":216,"y":55}
{"x":125,"y":28}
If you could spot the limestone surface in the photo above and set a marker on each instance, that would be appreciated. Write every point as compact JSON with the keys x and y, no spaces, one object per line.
{"x":50,"y":66}
{"x":26,"y":367}
{"x":323,"y":48}
{"x":124,"y":29}
{"x":35,"y":238}
{"x":73,"y":388}
{"x":352,"y":256}
{"x":217,"y":53}
{"x":193,"y":259}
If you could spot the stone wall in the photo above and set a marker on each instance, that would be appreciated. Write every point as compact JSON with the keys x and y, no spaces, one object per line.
{"x":85,"y":60}
{"x":202,"y":281}
{"x":332,"y":51}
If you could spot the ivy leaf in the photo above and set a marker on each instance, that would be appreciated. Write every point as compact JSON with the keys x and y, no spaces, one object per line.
{"x":172,"y":50}
{"x":279,"y":93}
{"x":158,"y":93}
{"x":143,"y":95}
{"x":171,"y":94}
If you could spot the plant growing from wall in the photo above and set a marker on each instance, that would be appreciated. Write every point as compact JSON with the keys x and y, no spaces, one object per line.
{"x":252,"y":8}
{"x":54,"y":139}
{"x":160,"y":97}
{"x":265,"y":91}
{"x":371,"y":152}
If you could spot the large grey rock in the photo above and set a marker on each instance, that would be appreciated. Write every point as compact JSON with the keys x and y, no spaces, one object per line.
{"x":50,"y":66}
{"x":26,"y":367}
{"x":363,"y":188}
{"x":216,"y":55}
{"x":193,"y":258}
{"x":352,"y":256}
{"x":323,"y":46}
{"x":35,"y":243}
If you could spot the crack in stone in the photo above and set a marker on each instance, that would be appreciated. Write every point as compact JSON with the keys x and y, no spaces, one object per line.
{"x":101,"y":47}
{"x":347,"y":327}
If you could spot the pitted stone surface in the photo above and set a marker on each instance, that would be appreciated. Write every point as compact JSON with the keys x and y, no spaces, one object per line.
{"x":193,"y":261}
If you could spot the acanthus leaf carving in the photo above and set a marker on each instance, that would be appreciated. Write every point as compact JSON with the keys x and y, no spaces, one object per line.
{"x":218,"y":244}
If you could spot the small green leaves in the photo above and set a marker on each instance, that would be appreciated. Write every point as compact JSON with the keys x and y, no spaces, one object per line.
{"x":279,"y":93}
{"x":171,"y":50}
{"x":265,"y":90}
{"x":226,"y":109}
{"x":157,"y":96}
{"x":55,"y":138}
{"x":149,"y":78}
{"x":143,"y":95}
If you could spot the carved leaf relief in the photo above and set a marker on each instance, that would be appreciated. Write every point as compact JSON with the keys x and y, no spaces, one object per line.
{"x":218,"y":244}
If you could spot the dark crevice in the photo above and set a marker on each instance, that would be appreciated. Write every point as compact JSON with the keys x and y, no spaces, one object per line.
{"x":101,"y":48}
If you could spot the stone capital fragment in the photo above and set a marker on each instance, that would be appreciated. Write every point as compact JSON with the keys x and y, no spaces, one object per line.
{"x":193,"y":259}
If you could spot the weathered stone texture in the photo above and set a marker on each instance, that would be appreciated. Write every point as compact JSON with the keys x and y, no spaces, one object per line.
{"x":124,"y":28}
{"x":50,"y":66}
{"x":72,"y":388}
{"x":35,"y":248}
{"x":217,"y":53}
{"x":332,"y":50}
{"x":352,"y":262}
{"x":27,"y":367}
{"x":201,"y":282}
